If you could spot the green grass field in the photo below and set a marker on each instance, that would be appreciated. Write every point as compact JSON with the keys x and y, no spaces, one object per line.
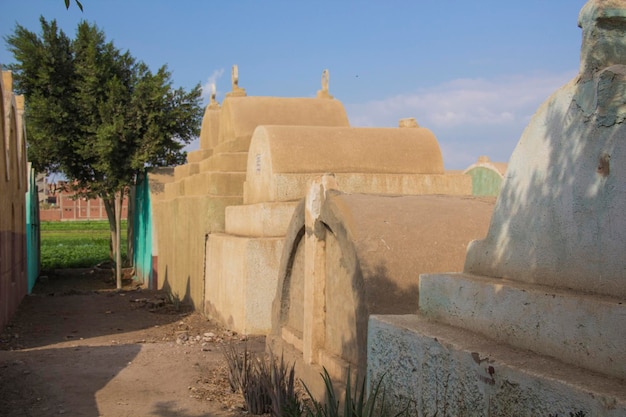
{"x":78,"y":244}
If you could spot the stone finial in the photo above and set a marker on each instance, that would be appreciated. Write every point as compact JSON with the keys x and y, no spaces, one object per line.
{"x":323,"y":93}
{"x":236,"y":90}
{"x":604,"y":38}
{"x":408,"y":122}
{"x":213,"y":104}
{"x":483,"y":159}
{"x":602,"y":79}
{"x":235,"y":77}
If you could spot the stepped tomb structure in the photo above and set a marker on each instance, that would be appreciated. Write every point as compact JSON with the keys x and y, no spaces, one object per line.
{"x":231,"y":224}
{"x":535,"y":323}
{"x":242,"y":264}
{"x":193,"y":204}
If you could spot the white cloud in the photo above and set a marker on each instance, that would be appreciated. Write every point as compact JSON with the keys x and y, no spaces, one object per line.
{"x":470,"y":117}
{"x":211,"y":80}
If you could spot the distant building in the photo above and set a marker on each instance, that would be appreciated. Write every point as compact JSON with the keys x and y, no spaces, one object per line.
{"x":59,"y":204}
{"x":486,"y":176}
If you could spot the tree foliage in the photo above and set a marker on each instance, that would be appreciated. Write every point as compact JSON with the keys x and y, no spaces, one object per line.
{"x":97,"y":114}
{"x":78,"y":3}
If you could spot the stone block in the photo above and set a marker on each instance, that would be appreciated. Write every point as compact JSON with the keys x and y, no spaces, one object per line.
{"x":288,"y":187}
{"x":444,"y":370}
{"x":215,"y":183}
{"x":259,"y":220}
{"x":226,"y":162}
{"x":241,"y":281}
{"x":198,"y":155}
{"x":183,"y":171}
{"x":581,"y":329}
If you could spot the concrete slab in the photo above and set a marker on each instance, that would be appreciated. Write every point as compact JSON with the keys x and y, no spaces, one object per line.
{"x":581,"y":329}
{"x":440,"y":367}
{"x":226,"y":162}
{"x":260,"y":220}
{"x":199,"y":155}
{"x":215,"y":183}
{"x":241,"y":280}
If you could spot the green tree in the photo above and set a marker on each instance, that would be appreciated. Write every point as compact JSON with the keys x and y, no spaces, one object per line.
{"x":97,"y":114}
{"x":78,"y":3}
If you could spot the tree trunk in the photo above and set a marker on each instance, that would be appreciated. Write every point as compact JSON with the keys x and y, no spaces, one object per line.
{"x":109,"y":207}
{"x":130,"y":226}
{"x":113,"y":207}
{"x":119,"y":197}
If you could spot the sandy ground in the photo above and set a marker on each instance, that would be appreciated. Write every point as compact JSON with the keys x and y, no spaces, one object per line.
{"x":77,"y":347}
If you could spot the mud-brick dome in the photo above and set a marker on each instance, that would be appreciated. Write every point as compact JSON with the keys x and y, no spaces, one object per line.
{"x":282,"y":159}
{"x":375,"y":248}
{"x":241,"y":115}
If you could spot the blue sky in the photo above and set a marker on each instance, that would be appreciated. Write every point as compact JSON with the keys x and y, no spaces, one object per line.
{"x":473,"y":72}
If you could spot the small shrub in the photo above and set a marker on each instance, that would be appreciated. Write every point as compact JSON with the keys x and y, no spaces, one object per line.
{"x":356,"y":402}
{"x":281,"y":383}
{"x":238,"y":367}
{"x":269,"y":386}
{"x":246,"y":376}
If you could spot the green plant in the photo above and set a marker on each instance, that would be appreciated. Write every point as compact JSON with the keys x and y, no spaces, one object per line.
{"x":237,"y":367}
{"x":281,"y":382}
{"x":256,"y":390}
{"x":356,"y":402}
{"x":244,"y":376}
{"x":175,"y":300}
{"x":267,"y":386}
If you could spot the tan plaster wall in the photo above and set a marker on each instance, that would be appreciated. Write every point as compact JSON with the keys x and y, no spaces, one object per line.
{"x":13,"y":187}
{"x":241,"y":115}
{"x":282,"y":159}
{"x":238,"y":270}
{"x":289,"y":187}
{"x":209,"y":131}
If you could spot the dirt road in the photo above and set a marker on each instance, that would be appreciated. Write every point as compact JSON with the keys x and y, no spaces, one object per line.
{"x":77,"y":347}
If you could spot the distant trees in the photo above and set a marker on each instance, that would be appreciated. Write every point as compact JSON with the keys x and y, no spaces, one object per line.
{"x":97,"y":114}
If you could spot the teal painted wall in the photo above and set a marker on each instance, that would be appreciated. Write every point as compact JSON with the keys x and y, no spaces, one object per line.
{"x":33,"y":236}
{"x":143,"y":232}
{"x":485,"y":181}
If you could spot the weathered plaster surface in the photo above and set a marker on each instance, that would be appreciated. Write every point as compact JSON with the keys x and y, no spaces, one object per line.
{"x":560,"y":217}
{"x":581,"y":329}
{"x":445,"y":371}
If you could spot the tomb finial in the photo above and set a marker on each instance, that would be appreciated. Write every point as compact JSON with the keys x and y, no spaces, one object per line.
{"x":323,"y":93}
{"x":236,"y":90}
{"x":213,"y":104}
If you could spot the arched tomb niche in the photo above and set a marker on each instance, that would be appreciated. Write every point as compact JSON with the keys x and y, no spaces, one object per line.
{"x":348,"y":256}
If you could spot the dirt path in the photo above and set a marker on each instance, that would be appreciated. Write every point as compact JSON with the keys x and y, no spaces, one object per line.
{"x":78,"y":348}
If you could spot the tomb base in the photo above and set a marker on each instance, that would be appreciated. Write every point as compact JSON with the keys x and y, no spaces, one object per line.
{"x":581,"y":329}
{"x":240,"y":281}
{"x":449,"y":371}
